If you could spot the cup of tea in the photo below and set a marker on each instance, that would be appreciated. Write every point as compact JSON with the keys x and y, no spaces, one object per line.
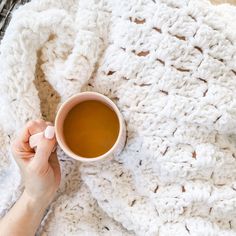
{"x":89,"y":127}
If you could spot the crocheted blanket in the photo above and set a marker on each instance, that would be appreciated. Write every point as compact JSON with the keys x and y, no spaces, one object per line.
{"x":170,"y":66}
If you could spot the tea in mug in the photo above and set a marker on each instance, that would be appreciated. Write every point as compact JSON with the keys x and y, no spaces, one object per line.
{"x":91,"y":128}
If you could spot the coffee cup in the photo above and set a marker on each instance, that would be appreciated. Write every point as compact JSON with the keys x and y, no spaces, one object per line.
{"x":61,"y":115}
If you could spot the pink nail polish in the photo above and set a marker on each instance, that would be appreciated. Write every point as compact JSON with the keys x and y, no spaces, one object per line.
{"x":49,"y":132}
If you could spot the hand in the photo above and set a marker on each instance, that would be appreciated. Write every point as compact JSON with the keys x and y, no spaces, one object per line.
{"x":40,"y":168}
{"x":41,"y":174}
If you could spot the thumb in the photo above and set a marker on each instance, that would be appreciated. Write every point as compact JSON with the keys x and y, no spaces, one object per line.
{"x":45,"y":147}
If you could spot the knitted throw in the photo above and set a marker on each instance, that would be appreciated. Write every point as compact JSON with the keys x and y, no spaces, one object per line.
{"x":170,"y":66}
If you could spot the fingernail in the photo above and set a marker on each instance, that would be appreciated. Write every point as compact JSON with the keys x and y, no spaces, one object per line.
{"x":49,"y":132}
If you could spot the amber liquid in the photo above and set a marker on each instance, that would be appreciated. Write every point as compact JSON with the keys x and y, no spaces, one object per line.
{"x":90,"y":128}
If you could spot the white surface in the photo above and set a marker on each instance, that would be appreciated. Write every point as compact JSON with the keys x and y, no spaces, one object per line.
{"x":177,"y":173}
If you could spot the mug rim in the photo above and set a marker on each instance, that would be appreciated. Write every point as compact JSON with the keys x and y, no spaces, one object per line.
{"x":66,"y":149}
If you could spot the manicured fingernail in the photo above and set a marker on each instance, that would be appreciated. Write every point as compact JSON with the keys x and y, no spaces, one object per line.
{"x":49,"y":132}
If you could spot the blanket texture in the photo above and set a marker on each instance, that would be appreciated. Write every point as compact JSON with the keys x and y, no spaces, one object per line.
{"x":170,"y":66}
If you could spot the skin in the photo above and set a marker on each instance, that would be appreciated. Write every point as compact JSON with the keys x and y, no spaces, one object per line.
{"x":41,"y":176}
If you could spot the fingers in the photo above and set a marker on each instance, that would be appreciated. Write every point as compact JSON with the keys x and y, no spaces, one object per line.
{"x":32,"y":127}
{"x":20,"y":146}
{"x":21,"y":143}
{"x":49,"y":123}
{"x":44,"y":149}
{"x":36,"y":126}
{"x":53,"y":160}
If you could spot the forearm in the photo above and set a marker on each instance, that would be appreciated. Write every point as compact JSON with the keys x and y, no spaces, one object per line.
{"x":24,"y":217}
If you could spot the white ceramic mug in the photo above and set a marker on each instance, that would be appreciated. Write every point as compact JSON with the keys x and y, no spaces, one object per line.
{"x":61,"y":115}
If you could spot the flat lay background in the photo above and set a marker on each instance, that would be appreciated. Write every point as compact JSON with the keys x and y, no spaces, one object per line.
{"x":223,"y":1}
{"x":177,"y":96}
{"x":7,"y":6}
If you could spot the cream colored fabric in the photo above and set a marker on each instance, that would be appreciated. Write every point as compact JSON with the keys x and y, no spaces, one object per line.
{"x":170,"y":66}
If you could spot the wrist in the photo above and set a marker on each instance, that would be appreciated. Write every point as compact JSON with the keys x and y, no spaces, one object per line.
{"x":24,"y":217}
{"x":36,"y":204}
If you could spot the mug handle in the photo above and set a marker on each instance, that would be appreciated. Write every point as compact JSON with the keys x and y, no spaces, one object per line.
{"x":34,"y":139}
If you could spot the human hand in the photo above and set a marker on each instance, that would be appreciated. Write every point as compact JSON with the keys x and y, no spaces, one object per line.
{"x":40,"y":168}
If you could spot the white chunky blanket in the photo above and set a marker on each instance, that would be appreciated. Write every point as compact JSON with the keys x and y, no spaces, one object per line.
{"x":170,"y":66}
